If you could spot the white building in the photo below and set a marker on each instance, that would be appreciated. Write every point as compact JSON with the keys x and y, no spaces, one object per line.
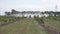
{"x":28,"y":14}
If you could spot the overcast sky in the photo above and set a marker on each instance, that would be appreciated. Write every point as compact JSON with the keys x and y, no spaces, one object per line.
{"x":34,"y":5}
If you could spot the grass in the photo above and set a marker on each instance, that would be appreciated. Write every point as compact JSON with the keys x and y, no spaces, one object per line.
{"x":4,"y":20}
{"x":24,"y":26}
{"x":53,"y":21}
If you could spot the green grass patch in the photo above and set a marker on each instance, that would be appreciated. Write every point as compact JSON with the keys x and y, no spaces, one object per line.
{"x":24,"y":26}
{"x":53,"y":21}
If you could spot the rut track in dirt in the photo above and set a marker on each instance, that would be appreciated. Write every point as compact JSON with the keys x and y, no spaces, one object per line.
{"x":50,"y":29}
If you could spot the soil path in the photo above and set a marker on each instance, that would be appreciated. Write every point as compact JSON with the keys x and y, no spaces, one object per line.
{"x":49,"y":29}
{"x":24,"y":29}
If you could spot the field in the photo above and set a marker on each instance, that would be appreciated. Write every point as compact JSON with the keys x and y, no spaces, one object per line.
{"x":53,"y":22}
{"x":23,"y":26}
{"x":18,"y":25}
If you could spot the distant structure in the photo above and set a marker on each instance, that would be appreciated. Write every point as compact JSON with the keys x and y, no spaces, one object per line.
{"x":27,"y":14}
{"x":56,"y":8}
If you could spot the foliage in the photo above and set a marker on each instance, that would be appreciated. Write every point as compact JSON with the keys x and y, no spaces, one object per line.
{"x":7,"y":13}
{"x":53,"y":21}
{"x":24,"y":26}
{"x":39,"y":20}
{"x":4,"y":20}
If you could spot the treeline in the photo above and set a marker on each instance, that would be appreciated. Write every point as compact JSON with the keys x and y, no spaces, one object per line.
{"x":50,"y":13}
{"x":12,"y":12}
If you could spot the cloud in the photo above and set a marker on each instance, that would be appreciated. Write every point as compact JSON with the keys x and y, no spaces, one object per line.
{"x":44,"y":0}
{"x":29,"y":7}
{"x":44,"y":5}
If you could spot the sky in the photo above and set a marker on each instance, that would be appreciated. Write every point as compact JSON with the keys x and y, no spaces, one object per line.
{"x":29,"y":5}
